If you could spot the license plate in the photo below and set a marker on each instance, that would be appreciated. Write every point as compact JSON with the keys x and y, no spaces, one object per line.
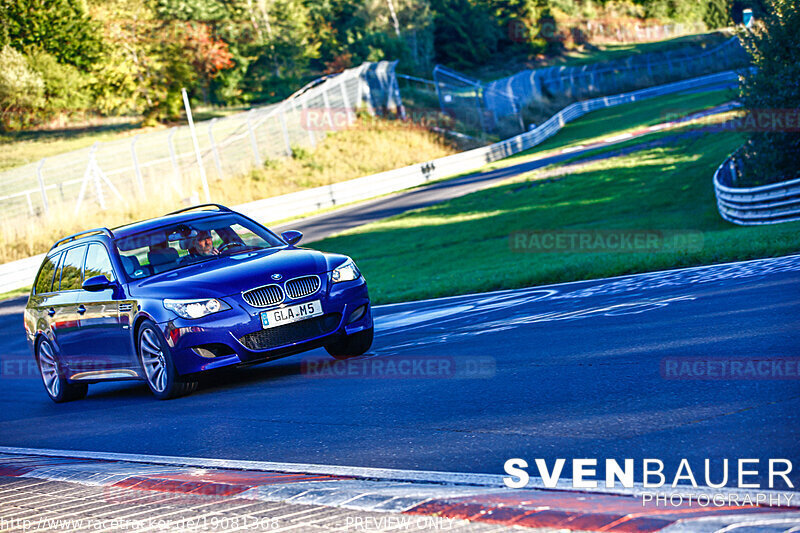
{"x":292,"y":313}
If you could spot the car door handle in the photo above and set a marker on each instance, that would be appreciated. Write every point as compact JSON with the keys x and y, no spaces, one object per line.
{"x":51,"y":311}
{"x":81,"y":309}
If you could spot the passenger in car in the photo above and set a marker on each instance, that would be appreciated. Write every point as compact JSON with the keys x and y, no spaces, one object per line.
{"x":162,"y":258}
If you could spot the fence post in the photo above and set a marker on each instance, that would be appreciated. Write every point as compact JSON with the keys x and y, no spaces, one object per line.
{"x":327,"y":103}
{"x":346,"y":102}
{"x":214,"y":151}
{"x":98,"y":189}
{"x":286,"y":141}
{"x":304,"y":120}
{"x":253,"y":144}
{"x":200,"y":166}
{"x":41,"y":186}
{"x":359,"y":90}
{"x":137,"y":172}
{"x":176,"y":170}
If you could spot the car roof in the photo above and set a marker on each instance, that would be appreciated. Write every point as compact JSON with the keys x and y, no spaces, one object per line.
{"x":104,"y":234}
{"x":154,"y":223}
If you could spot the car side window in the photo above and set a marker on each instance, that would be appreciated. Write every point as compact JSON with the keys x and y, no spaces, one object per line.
{"x":44,"y":281}
{"x":98,"y":263}
{"x":72,"y":269}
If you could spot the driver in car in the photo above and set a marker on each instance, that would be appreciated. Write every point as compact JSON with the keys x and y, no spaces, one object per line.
{"x":203,"y":245}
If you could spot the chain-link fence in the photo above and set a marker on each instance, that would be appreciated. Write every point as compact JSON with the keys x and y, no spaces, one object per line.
{"x":501,"y":104}
{"x":164,"y":164}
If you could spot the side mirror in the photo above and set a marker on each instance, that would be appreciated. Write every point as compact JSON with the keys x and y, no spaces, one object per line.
{"x":96,"y":283}
{"x":292,"y":237}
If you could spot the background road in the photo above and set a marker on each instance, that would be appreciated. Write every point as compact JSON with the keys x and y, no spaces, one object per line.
{"x":318,"y":227}
{"x":565,"y":371}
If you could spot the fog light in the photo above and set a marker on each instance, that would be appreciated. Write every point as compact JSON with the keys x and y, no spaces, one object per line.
{"x":357,"y":314}
{"x":210,"y":351}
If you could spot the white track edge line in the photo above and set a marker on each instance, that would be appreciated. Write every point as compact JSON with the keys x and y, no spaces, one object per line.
{"x":576,"y":282}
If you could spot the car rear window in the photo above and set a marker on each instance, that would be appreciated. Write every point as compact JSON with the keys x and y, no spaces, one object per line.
{"x":72,"y":269}
{"x":44,"y":281}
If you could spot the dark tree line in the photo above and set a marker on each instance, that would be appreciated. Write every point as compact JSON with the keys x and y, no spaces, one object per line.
{"x":133,"y":56}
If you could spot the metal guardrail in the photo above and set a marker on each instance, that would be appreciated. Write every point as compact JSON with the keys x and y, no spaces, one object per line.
{"x":21,"y":273}
{"x":752,"y":206}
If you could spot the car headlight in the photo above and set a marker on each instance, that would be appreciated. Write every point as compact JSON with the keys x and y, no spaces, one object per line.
{"x":345,"y":272}
{"x":196,"y":308}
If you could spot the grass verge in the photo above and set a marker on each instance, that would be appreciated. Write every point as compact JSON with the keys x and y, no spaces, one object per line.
{"x":25,"y":291}
{"x":627,"y":117}
{"x":618,"y":120}
{"x":463,"y":245}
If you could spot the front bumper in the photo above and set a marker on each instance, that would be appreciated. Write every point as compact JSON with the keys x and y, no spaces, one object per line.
{"x":235,"y":336}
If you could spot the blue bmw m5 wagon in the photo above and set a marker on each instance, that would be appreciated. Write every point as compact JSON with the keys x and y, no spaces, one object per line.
{"x":201,"y":288}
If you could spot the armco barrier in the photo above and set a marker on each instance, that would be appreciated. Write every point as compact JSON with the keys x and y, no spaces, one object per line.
{"x":766,"y":204}
{"x":21,"y":273}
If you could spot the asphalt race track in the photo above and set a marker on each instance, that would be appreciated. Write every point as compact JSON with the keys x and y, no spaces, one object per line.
{"x":573,"y":370}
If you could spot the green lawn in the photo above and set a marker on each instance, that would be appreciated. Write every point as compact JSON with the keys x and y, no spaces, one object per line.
{"x":463,"y":245}
{"x":25,"y":291}
{"x":626,"y":117}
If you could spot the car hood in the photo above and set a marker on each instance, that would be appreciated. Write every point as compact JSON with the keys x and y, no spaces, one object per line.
{"x":233,"y":274}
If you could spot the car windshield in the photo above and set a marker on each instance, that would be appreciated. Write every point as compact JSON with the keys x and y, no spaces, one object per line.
{"x":176,"y":245}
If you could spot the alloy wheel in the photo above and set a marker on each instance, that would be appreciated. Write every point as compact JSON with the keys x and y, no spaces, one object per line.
{"x":49,"y":369}
{"x":153,"y":360}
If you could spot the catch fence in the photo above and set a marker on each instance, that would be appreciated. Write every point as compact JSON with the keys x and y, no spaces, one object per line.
{"x":164,"y":164}
{"x":503,"y":103}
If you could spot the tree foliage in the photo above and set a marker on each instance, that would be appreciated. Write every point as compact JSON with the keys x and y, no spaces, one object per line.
{"x":21,"y":87}
{"x":466,"y":33}
{"x":134,"y":56}
{"x":774,"y":46}
{"x":61,"y":28}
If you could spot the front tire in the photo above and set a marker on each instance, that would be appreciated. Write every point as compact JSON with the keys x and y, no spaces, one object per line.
{"x":159,"y":369}
{"x":55,"y":383}
{"x":351,"y":345}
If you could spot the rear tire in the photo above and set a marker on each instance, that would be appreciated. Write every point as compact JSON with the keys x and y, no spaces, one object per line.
{"x":159,"y":369}
{"x":351,"y":345}
{"x":55,"y":383}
